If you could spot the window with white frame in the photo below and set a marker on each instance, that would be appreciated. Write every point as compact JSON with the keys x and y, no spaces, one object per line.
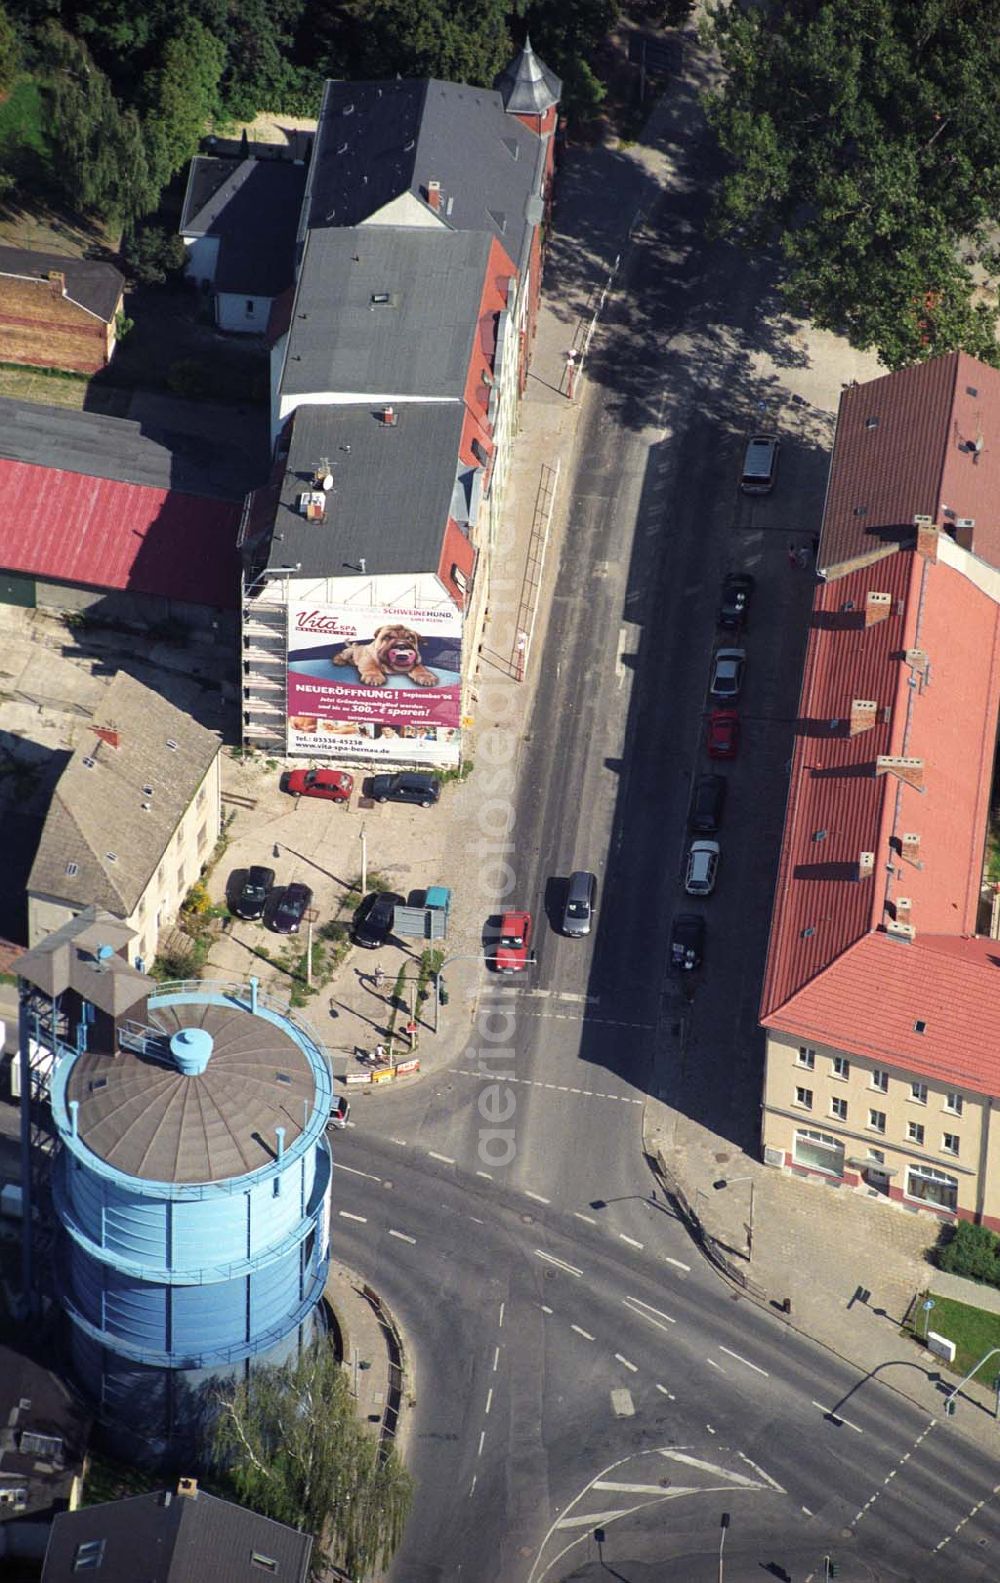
{"x":838,"y":1109}
{"x":953,"y":1104}
{"x":949,"y":1142}
{"x":841,"y":1066}
{"x":918,"y":1092}
{"x":806,"y":1057}
{"x":915,"y":1131}
{"x":820,"y":1151}
{"x":932,"y":1187}
{"x":880,"y":1080}
{"x":804,"y":1097}
{"x":876,"y":1120}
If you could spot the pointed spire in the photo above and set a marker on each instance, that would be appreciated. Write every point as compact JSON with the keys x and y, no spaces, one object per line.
{"x":527,"y":86}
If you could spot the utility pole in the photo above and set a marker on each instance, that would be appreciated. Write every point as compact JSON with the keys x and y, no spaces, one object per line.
{"x":364,"y":862}
{"x":309,"y":954}
{"x":723,"y":1525}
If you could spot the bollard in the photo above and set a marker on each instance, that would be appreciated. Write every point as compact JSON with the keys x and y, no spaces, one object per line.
{"x":786,"y":1305}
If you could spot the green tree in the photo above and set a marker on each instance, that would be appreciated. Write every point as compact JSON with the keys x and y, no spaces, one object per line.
{"x":99,"y":157}
{"x":183,"y":98}
{"x":151,"y":253}
{"x":565,"y":34}
{"x":10,"y":51}
{"x":289,"y":1444}
{"x":458,"y":40}
{"x":861,"y":137}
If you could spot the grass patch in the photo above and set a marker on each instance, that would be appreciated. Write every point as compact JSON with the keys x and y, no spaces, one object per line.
{"x":973,"y":1330}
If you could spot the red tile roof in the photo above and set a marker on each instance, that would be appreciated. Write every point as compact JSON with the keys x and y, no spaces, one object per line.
{"x":914,"y":443}
{"x":73,"y":528}
{"x":838,"y":808}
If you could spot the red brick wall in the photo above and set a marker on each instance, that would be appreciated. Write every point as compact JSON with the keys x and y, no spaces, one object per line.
{"x":41,"y":327}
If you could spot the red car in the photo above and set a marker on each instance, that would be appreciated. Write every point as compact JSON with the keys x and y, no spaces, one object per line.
{"x":723,"y":737}
{"x":514,"y":942}
{"x":334,"y":785}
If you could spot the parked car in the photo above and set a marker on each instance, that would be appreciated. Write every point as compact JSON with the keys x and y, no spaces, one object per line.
{"x":581,"y":902}
{"x":334,"y":785}
{"x":687,"y":942}
{"x":255,"y":890}
{"x":723,"y":737}
{"x":707,"y":803}
{"x":374,"y":918}
{"x":760,"y":464}
{"x":408,"y":786}
{"x":514,"y":944}
{"x":727,"y":674}
{"x":340,"y":1111}
{"x":702,"y":868}
{"x":734,"y":605}
{"x":291,"y":909}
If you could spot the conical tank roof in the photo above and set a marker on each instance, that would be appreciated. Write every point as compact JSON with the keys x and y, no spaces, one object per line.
{"x":526,"y":86}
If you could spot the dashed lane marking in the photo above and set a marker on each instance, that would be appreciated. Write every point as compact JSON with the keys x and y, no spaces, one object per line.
{"x":550,"y":1258}
{"x":582,"y":1016}
{"x":489,"y":1400}
{"x":496,"y":1359}
{"x":445,"y":1159}
{"x":401,"y":1235}
{"x":401,"y":1141}
{"x":487,"y":1174}
{"x":740,"y":1359}
{"x":500,"y":1321}
{"x":587,"y":1219}
{"x":632,"y":1366}
{"x":345,"y":1214}
{"x":863,"y":1511}
{"x":536,"y":1196}
{"x":581,"y":1332}
{"x":679,"y":1263}
{"x":664,"y":1392}
{"x":563,"y":994}
{"x":472,"y":1487}
{"x":482,"y":1439}
{"x":633,"y":1242}
{"x":828,"y":1412}
{"x":528,"y":1082}
{"x":545,"y":1308}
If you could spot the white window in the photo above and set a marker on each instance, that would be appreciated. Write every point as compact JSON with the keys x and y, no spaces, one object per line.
{"x":953,"y":1104}
{"x":949,"y":1142}
{"x":804,"y":1097}
{"x":915,"y":1131}
{"x":807,"y":1057}
{"x":838,"y":1109}
{"x":918,"y":1092}
{"x":841,"y":1066}
{"x":932,"y":1187}
{"x":819,"y":1151}
{"x":876,"y":1120}
{"x":880,"y":1080}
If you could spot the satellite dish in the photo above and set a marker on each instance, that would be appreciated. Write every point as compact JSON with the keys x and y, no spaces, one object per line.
{"x":328,"y":481}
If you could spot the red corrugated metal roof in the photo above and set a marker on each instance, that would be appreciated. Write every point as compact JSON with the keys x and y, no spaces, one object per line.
{"x":73,"y":528}
{"x":872,"y":998}
{"x":838,"y":808}
{"x":913,"y":443}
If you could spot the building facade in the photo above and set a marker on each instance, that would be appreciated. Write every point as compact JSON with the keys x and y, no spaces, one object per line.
{"x":58,"y":312}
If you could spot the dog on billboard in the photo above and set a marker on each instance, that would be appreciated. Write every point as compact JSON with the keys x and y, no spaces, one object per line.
{"x":393,"y":651}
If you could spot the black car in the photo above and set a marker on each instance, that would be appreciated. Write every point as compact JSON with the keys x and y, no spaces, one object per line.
{"x":374,"y":918}
{"x":408,"y":786}
{"x":256,"y":888}
{"x":687,"y":942}
{"x":735,"y":603}
{"x":707,"y":803}
{"x":291,"y":909}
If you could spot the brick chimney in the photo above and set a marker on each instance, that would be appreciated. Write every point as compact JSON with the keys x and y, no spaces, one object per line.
{"x":910,"y":846}
{"x":927,"y":537}
{"x":911,"y":771}
{"x":57,"y":281}
{"x":917,"y":660}
{"x":866,"y":864}
{"x":389,"y":417}
{"x":901,"y":931}
{"x":877,"y":607}
{"x":863,"y":713}
{"x":902,"y":909}
{"x":109,"y":735}
{"x":434,"y":195}
{"x":188,"y":1487}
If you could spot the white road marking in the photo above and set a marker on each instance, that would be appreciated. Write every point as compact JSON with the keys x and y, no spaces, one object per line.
{"x":549,"y":1258}
{"x":664,"y":1392}
{"x":472,"y":1487}
{"x":627,"y":1489}
{"x":589,"y":1093}
{"x":588,"y":1219}
{"x":633,"y":1366}
{"x":488,"y":1175}
{"x":632,"y":1241}
{"x":581,"y":1332}
{"x":710,"y":1429}
{"x":545,"y":1308}
{"x":740,"y":1359}
{"x":672,"y":1454}
{"x":715,"y":1365}
{"x":496,"y":1359}
{"x":401,"y":1141}
{"x":401,"y":1235}
{"x":537,"y":1197}
{"x":500,"y":1325}
{"x":762,"y":1475}
{"x":678,"y":1262}
{"x":352,"y":1172}
{"x":345,"y":1214}
{"x":622,"y":1404}
{"x":489,"y":1400}
{"x":475,"y":1220}
{"x":807,"y":1511}
{"x":829,"y":1412}
{"x":445,"y":1159}
{"x":647,"y":1311}
{"x":482,"y":1437}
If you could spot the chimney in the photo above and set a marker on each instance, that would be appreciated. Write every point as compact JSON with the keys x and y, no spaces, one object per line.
{"x":863,"y":712}
{"x":877,"y":607}
{"x":188,"y":1487}
{"x":434,"y":195}
{"x":389,"y":417}
{"x":866,"y":864}
{"x":927,"y":537}
{"x":911,"y":771}
{"x":910,"y":846}
{"x":902,"y":909}
{"x":57,"y":281}
{"x":109,"y":735}
{"x":916,"y":659}
{"x":901,"y":931}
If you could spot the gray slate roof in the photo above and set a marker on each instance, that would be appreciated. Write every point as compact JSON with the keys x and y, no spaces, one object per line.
{"x":90,"y":282}
{"x":252,"y":206}
{"x":526,"y":86}
{"x":144,"y":452}
{"x":378,"y":140}
{"x":174,"y":1538}
{"x":391,"y":494}
{"x":416,"y":344}
{"x":98,"y":819}
{"x":68,"y":959}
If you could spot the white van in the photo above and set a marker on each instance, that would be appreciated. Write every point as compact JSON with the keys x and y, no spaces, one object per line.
{"x":760,"y":465}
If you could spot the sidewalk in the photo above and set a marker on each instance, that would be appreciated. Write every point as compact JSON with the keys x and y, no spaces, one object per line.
{"x":379,"y":1368}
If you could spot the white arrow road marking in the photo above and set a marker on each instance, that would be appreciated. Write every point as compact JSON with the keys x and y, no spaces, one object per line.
{"x":549,"y":1258}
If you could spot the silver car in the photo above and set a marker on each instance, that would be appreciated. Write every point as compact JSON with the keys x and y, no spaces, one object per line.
{"x":581,"y":902}
{"x":760,"y":464}
{"x":702,"y":868}
{"x":727,"y":674}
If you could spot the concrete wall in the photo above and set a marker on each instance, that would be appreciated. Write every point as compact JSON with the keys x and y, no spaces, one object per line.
{"x":245,"y":315}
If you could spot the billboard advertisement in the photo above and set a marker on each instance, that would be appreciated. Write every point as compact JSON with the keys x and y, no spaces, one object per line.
{"x":375,"y":683}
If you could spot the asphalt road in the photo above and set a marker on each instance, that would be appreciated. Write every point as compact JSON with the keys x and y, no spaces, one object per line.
{"x":576,"y":1366}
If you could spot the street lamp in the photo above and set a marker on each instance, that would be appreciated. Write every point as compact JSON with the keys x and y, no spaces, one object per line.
{"x":729,"y":1182}
{"x":364,"y":861}
{"x":723,"y":1525}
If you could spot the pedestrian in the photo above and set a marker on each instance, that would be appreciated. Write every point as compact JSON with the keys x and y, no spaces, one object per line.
{"x":380,"y":1056}
{"x":793,"y":559}
{"x":379,"y":977}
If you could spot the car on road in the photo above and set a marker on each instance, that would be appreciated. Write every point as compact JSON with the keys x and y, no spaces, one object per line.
{"x":723,"y":735}
{"x":514,"y":944}
{"x":295,"y":901}
{"x":734,"y":606}
{"x":581,"y":902}
{"x":334,"y":785}
{"x":687,"y":942}
{"x":707,"y":802}
{"x":760,"y":464}
{"x":340,"y":1111}
{"x":702,"y":868}
{"x":374,"y":918}
{"x":408,"y":786}
{"x":257,"y":885}
{"x":727,"y":674}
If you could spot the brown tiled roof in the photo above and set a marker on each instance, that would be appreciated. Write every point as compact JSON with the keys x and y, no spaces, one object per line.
{"x":924,"y":441}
